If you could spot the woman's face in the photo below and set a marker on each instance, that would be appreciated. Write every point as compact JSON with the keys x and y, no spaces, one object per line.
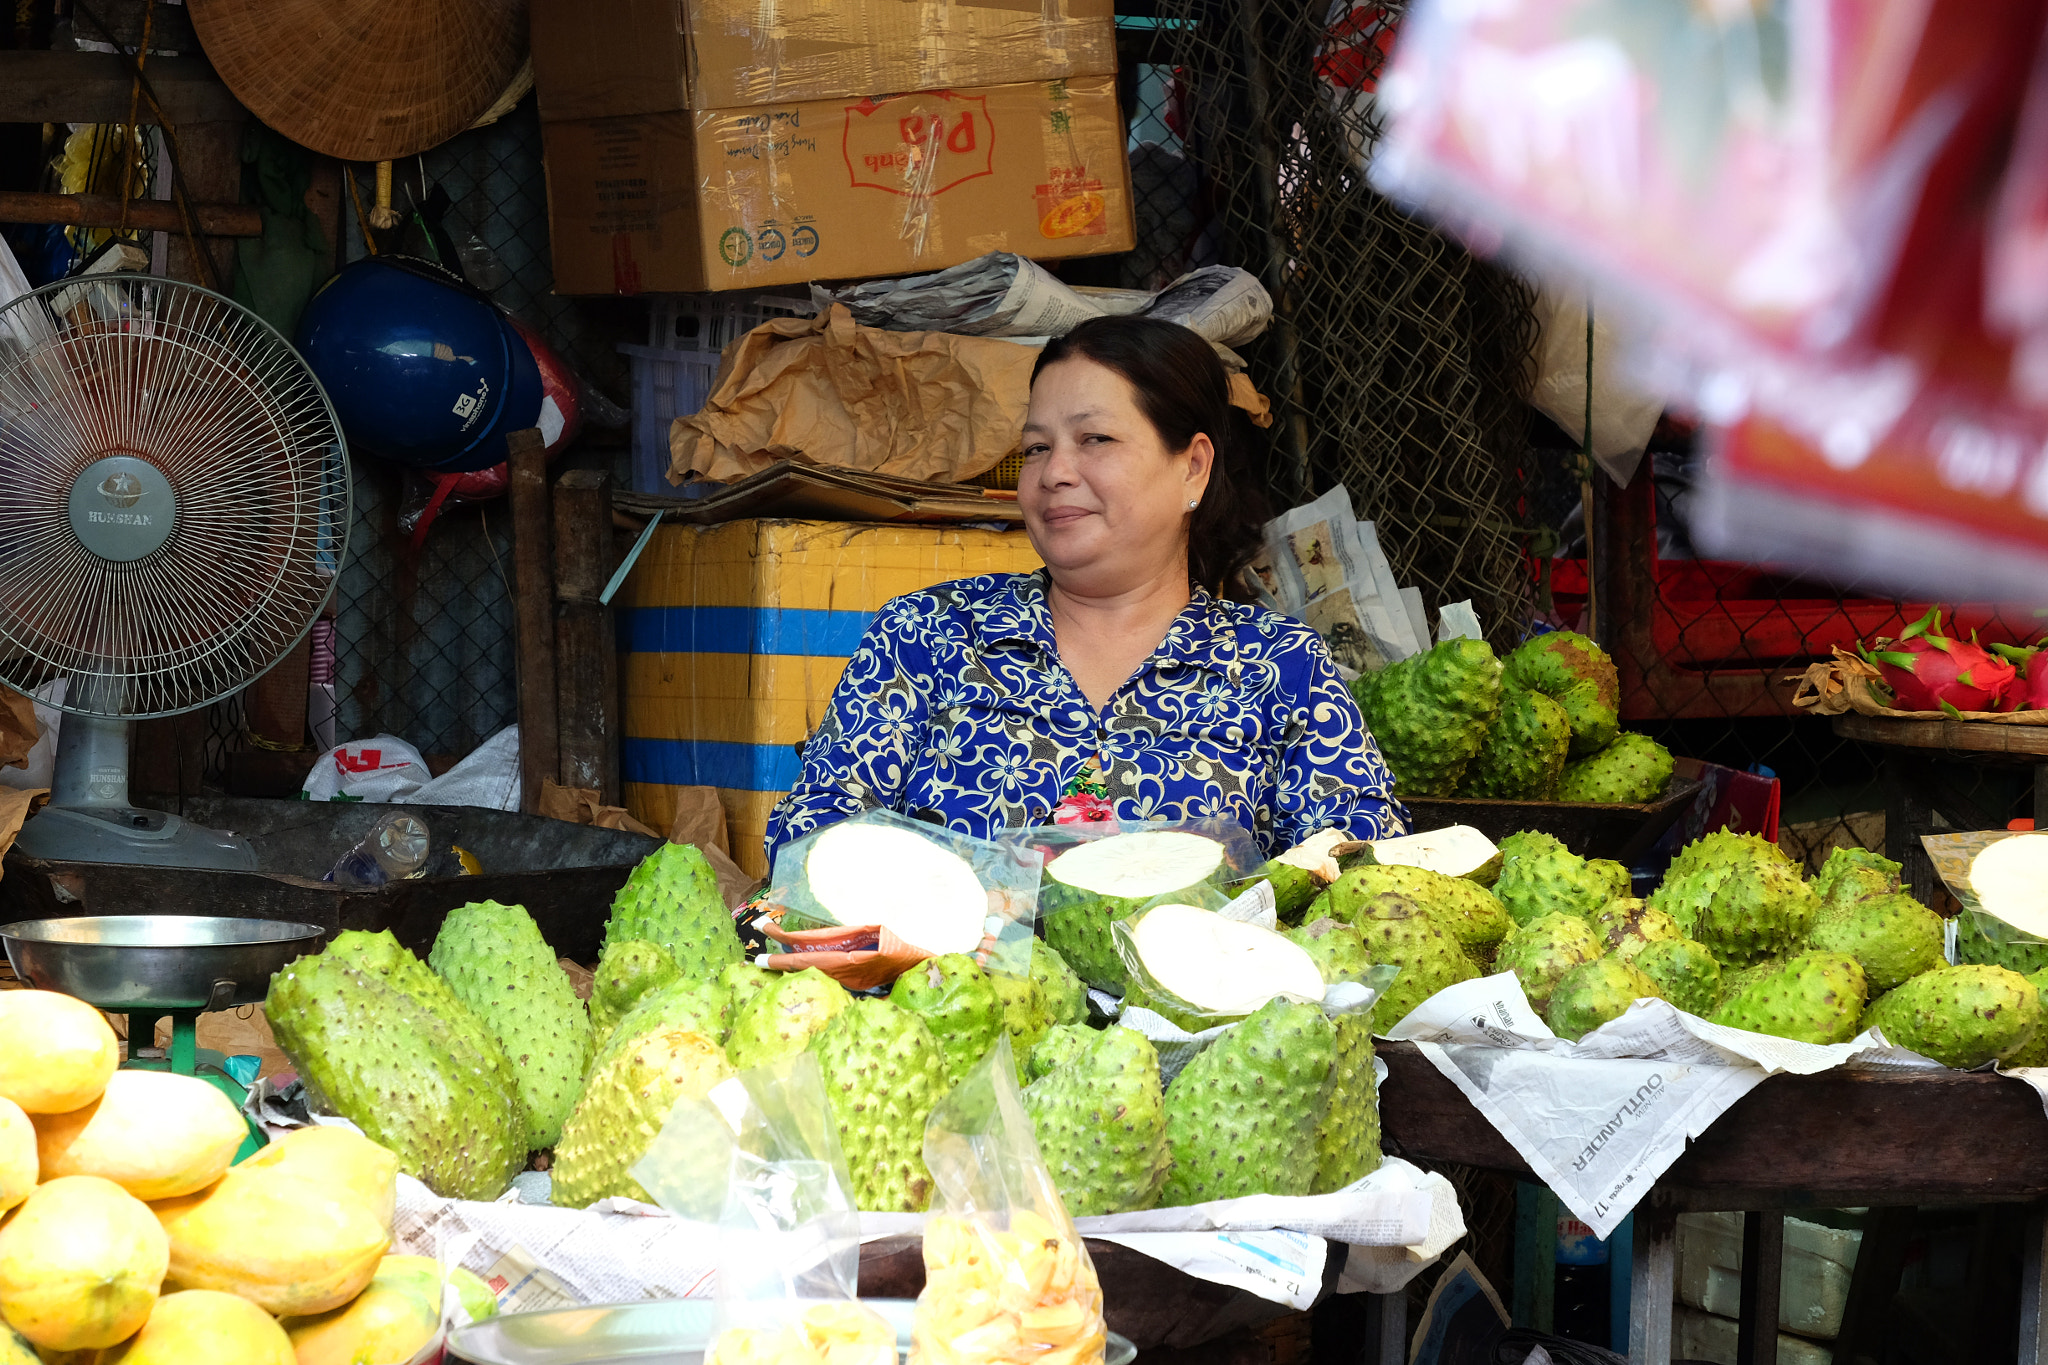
{"x":1104,"y":501}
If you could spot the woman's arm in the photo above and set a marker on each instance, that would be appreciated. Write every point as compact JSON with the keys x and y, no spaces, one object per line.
{"x":1331,"y":774}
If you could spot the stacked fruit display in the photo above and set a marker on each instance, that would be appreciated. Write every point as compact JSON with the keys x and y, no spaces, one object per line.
{"x":1542,"y":726}
{"x":130,"y":1237}
{"x":1927,"y":670}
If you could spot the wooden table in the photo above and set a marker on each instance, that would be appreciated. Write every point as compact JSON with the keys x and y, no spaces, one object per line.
{"x":1834,"y":1140}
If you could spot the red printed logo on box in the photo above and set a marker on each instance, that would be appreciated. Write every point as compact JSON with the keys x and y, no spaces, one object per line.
{"x":920,"y":144}
{"x":1071,"y":205}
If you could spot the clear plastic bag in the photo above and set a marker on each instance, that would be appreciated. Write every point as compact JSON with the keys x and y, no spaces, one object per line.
{"x":760,"y":1157}
{"x":1007,"y":1278}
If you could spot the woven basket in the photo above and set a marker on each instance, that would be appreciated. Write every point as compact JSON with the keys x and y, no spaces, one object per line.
{"x":1004,"y":475}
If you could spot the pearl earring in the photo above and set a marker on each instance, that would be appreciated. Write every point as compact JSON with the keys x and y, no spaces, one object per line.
{"x":1192,"y":502}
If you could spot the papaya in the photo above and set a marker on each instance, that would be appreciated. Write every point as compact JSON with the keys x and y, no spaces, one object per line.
{"x":80,"y":1264}
{"x":56,"y":1052}
{"x":201,"y":1324}
{"x":392,"y":1319}
{"x":342,"y":1159}
{"x":155,"y":1134}
{"x":286,"y":1240}
{"x":15,"y":1348}
{"x":19,"y":1168}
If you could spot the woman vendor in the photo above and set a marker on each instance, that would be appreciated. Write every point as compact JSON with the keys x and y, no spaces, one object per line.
{"x":1116,"y":681}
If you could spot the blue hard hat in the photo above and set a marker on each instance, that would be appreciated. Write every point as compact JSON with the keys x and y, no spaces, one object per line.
{"x":421,"y":368}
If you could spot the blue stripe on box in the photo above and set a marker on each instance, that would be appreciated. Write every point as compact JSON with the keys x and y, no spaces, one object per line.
{"x":710,"y":763}
{"x":741,"y":630}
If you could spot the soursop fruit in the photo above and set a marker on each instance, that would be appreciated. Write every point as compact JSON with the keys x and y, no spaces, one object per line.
{"x":1430,"y":712}
{"x":383,"y":1042}
{"x":1736,"y":980}
{"x":1348,"y":1138}
{"x":883,"y":1074}
{"x":1398,"y":930}
{"x":1976,"y":948}
{"x":1542,"y":951}
{"x":1625,"y":927}
{"x":1630,"y":771}
{"x":1093,"y":885}
{"x":1066,"y":999}
{"x":1241,"y":1117}
{"x":1523,"y":754}
{"x":672,"y":899}
{"x":1540,"y":876}
{"x":1025,"y":1016}
{"x":1594,"y":993}
{"x":626,"y":970}
{"x":1683,"y":971}
{"x":694,"y":1006}
{"x":1960,"y":1016}
{"x":1752,"y":911}
{"x":1816,"y":997}
{"x":1101,"y":1124}
{"x":742,"y":981}
{"x":1580,"y":677}
{"x":1467,"y":911}
{"x":1723,"y":848}
{"x":495,"y":961}
{"x":1850,"y":874}
{"x":781,"y":1020}
{"x":1893,"y":937}
{"x":1061,"y":1044}
{"x":2035,"y":1051}
{"x":959,"y":1003}
{"x":1299,"y":875}
{"x":622,"y":1111}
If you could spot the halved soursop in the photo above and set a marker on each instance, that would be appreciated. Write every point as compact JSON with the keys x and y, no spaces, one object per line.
{"x":1960,"y":1016}
{"x":1684,"y":973}
{"x":1540,"y":952}
{"x":1631,"y":770}
{"x":883,"y":1075}
{"x":960,"y":1004}
{"x":622,"y":1111}
{"x":1629,"y":925}
{"x":1241,"y":1117}
{"x":1429,"y":713}
{"x":1595,"y":993}
{"x":915,"y":887}
{"x":1524,"y":751}
{"x":1061,"y":1044}
{"x":2010,"y":881}
{"x":1209,"y":969}
{"x":1454,"y":851}
{"x":1467,"y":911}
{"x":672,"y":899}
{"x":781,"y":1021}
{"x":1893,"y":937}
{"x":1576,"y":673}
{"x":1066,"y":999}
{"x":694,"y":1006}
{"x":1299,"y":875}
{"x":1348,"y":1138}
{"x":1814,"y":998}
{"x":1101,"y":1124}
{"x":1398,"y":930}
{"x":1540,"y":876}
{"x":384,"y":1042}
{"x":1091,"y":886}
{"x":1853,"y":873}
{"x":495,"y":961}
{"x":626,"y":970}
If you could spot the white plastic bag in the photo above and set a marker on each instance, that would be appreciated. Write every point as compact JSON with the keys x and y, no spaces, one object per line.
{"x":385,"y":768}
{"x":489,"y":777}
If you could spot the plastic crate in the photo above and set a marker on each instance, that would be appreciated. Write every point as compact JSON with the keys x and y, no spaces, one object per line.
{"x":708,"y":323}
{"x":667,"y":384}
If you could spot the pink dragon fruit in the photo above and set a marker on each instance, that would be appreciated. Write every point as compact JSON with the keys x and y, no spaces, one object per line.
{"x":1928,"y":671}
{"x":2028,"y":691}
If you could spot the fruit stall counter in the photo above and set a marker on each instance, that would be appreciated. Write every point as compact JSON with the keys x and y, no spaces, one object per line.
{"x":1838,"y":1139}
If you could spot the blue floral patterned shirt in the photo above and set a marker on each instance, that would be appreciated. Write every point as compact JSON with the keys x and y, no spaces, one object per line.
{"x":956,"y":703}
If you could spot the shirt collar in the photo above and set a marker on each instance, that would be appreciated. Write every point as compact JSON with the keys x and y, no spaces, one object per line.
{"x":1019,"y":614}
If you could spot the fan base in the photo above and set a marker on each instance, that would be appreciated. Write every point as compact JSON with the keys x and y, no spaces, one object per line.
{"x":128,"y":834}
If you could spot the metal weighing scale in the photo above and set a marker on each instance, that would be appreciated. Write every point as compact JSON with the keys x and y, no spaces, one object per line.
{"x":149,"y":966}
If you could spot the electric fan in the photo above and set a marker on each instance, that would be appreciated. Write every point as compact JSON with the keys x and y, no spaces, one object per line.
{"x":174,"y":508}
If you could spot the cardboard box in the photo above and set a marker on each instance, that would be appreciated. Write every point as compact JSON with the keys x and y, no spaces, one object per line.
{"x":836,"y":189}
{"x":732,"y":638}
{"x":619,"y":57}
{"x":1813,"y":1289}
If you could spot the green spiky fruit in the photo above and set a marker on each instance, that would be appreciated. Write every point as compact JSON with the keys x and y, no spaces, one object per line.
{"x":1540,"y":876}
{"x":1625,"y":927}
{"x":1850,"y":874}
{"x":960,"y":1004}
{"x":1093,"y":885}
{"x":1542,"y":951}
{"x":1893,"y":937}
{"x":1061,"y":1044}
{"x":1066,"y":999}
{"x":2034,"y":1052}
{"x":1960,"y":1016}
{"x":1299,"y":875}
{"x":1025,"y":1016}
{"x":672,"y":899}
{"x":1430,"y":712}
{"x":1631,"y":770}
{"x":1723,"y":848}
{"x":1467,"y":911}
{"x":781,"y":1021}
{"x":383,"y":1042}
{"x":1742,"y":911}
{"x":622,"y":1111}
{"x":693,"y":1006}
{"x":883,"y":1074}
{"x":1814,"y":998}
{"x":626,"y":970}
{"x":1736,"y":980}
{"x":1241,"y":1117}
{"x":742,"y":981}
{"x":1523,"y":754}
{"x":1683,"y":971}
{"x":1348,"y":1138}
{"x":495,"y":961}
{"x":1580,"y":677}
{"x":1399,"y":931}
{"x":1975,"y":948}
{"x":1101,"y":1124}
{"x":1594,"y":993}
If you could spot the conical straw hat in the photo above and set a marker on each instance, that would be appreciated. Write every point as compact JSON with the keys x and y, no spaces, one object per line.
{"x":364,"y":80}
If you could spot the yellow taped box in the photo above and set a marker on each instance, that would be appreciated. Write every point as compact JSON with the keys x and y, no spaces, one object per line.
{"x":823,"y":189}
{"x":732,"y":638}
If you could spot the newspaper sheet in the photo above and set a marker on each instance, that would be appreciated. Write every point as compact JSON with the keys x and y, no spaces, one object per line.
{"x":1320,"y":572}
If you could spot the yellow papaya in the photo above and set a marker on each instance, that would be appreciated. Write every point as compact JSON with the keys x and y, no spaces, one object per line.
{"x":56,"y":1052}
{"x":155,"y":1134}
{"x":286,"y":1241}
{"x":19,"y":1168}
{"x":200,"y":1324}
{"x":80,"y":1264}
{"x":342,"y":1159}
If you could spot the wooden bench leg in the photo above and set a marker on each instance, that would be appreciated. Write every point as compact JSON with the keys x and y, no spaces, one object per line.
{"x":1873,"y":1285}
{"x":1653,"y":1278}
{"x":1386,"y":1327}
{"x":2034,"y":1287}
{"x":1763,"y":1262}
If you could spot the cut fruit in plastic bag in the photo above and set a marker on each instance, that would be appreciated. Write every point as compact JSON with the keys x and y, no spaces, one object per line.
{"x":2010,"y":879}
{"x":1199,"y":964}
{"x":1007,"y":1278}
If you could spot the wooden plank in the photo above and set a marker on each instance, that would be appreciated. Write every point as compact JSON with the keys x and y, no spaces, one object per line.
{"x":93,"y":87}
{"x":534,"y":566}
{"x":2025,"y":743}
{"x":104,"y":210}
{"x":276,"y":701}
{"x":1653,"y":1276}
{"x":210,"y":165}
{"x":122,"y":22}
{"x":2034,"y":1288}
{"x":1763,"y":1264}
{"x":586,"y":651}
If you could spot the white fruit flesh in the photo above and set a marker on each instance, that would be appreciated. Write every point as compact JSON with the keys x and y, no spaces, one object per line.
{"x":1316,"y":854}
{"x":2010,"y":879}
{"x":1219,"y":965}
{"x":1455,"y":850}
{"x":875,"y":874}
{"x":1138,"y":866}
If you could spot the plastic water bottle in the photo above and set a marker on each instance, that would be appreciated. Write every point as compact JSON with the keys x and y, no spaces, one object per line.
{"x":396,"y":847}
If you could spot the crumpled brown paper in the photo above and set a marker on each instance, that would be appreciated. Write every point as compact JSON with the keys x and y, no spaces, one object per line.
{"x":18,"y":728}
{"x":700,"y":820}
{"x":584,"y":806}
{"x":828,"y":391}
{"x":14,"y":808}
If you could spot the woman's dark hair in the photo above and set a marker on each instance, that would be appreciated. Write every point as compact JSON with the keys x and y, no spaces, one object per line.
{"x":1184,"y":391}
